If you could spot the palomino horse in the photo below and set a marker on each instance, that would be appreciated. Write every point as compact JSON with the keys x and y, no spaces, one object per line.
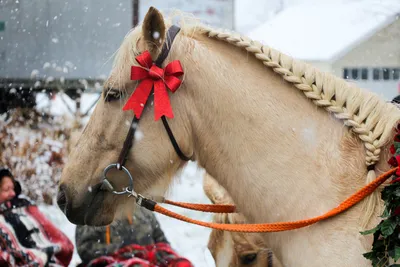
{"x":234,"y":249}
{"x":287,"y":141}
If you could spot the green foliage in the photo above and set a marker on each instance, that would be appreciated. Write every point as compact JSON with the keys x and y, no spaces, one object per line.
{"x":386,"y":244}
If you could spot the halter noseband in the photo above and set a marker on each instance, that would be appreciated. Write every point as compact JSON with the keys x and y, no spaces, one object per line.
{"x":171,"y":34}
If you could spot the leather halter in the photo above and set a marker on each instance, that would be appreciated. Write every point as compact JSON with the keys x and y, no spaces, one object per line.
{"x":171,"y":34}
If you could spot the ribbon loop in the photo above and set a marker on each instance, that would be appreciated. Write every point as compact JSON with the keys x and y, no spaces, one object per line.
{"x":151,"y":76}
{"x":145,"y":60}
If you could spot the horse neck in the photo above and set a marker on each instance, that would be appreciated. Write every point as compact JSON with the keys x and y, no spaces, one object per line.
{"x":270,"y":147}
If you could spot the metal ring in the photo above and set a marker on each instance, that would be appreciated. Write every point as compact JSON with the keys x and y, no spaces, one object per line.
{"x":128,"y":190}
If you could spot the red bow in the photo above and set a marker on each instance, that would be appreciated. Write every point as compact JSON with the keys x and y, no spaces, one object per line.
{"x":151,"y":75}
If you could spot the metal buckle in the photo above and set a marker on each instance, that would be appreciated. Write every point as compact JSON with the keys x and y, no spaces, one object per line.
{"x":142,"y":201}
{"x":109,"y":187}
{"x":139,"y":199}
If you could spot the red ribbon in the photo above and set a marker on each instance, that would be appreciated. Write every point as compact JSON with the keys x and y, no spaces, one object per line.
{"x":153,"y":76}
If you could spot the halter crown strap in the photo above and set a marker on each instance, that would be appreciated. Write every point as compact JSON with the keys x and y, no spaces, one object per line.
{"x":171,"y":34}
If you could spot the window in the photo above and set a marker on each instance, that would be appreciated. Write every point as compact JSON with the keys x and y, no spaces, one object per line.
{"x":396,"y":74}
{"x":376,"y":74}
{"x":364,"y":73}
{"x":386,"y":74}
{"x":354,"y":74}
{"x":345,"y":73}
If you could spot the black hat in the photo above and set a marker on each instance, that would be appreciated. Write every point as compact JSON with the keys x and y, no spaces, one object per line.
{"x":396,"y":99}
{"x":6,"y":172}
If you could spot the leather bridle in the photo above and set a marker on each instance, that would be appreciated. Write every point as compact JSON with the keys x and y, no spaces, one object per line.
{"x":128,"y":143}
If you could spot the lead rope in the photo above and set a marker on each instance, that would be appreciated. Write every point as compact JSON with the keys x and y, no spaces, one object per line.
{"x":152,"y":205}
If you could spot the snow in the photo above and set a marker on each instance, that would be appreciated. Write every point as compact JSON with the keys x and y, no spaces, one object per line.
{"x":61,"y":104}
{"x":188,"y":239}
{"x":245,"y":22}
{"x":323,"y":30}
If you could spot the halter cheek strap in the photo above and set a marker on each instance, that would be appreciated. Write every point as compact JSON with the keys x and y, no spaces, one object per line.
{"x":171,"y":34}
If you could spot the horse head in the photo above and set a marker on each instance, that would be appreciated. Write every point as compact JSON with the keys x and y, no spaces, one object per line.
{"x":151,"y":160}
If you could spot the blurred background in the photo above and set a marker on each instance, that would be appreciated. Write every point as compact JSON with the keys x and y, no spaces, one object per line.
{"x":55,"y":55}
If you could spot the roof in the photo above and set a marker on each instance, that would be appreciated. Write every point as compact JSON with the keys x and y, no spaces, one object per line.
{"x":322,"y":31}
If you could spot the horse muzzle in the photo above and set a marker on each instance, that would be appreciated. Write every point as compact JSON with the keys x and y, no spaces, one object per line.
{"x":86,"y":212}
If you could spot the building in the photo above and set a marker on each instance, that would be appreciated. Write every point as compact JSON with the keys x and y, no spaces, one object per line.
{"x":355,"y":40}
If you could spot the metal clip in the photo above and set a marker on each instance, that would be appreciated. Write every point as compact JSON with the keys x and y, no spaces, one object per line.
{"x":109,"y":187}
{"x":146,"y":202}
{"x":131,"y":193}
{"x":139,"y":199}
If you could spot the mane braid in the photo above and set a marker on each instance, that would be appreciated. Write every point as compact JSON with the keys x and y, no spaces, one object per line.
{"x":368,"y":116}
{"x":371,"y":118}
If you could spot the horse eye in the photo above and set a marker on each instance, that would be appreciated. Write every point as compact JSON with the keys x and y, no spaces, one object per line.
{"x":112,"y":95}
{"x":248,"y":258}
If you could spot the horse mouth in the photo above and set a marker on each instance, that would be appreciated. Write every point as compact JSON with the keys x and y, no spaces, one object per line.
{"x":90,"y":211}
{"x":95,"y":215}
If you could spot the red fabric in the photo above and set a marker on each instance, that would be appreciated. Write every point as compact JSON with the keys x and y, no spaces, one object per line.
{"x":54,"y":235}
{"x":156,"y":255}
{"x":15,"y":253}
{"x":392,"y":161}
{"x":180,"y":263}
{"x":397,"y":157}
{"x":395,"y":180}
{"x":392,"y":149}
{"x":153,"y":76}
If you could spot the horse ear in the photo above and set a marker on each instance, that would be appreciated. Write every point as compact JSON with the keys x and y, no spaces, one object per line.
{"x":214,"y":191}
{"x":153,"y":29}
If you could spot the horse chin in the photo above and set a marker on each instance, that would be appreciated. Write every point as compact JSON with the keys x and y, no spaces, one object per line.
{"x":98,"y":219}
{"x":96,"y":209}
{"x":99,"y":212}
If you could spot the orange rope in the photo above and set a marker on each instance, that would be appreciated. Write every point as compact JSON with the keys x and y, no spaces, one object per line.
{"x":129,"y":217}
{"x":284,"y":226}
{"x":108,"y":238}
{"x":217,"y":208}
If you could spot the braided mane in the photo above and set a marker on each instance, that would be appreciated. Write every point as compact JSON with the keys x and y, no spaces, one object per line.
{"x":367,"y":115}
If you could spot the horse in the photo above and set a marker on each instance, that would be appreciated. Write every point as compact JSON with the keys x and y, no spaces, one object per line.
{"x":286,"y":140}
{"x":235,"y":248}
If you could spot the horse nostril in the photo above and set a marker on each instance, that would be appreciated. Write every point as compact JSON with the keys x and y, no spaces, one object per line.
{"x":61,"y":198}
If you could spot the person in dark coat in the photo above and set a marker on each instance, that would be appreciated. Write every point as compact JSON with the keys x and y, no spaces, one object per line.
{"x":136,"y":240}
